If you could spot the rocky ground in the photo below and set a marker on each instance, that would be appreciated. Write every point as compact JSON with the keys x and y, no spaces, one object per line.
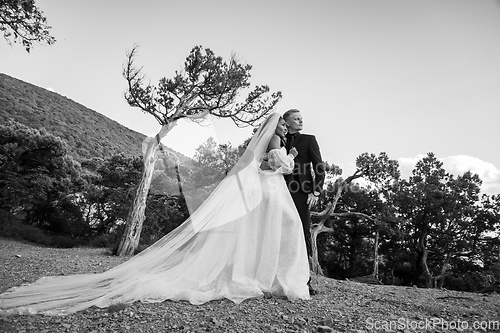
{"x":340,"y":306}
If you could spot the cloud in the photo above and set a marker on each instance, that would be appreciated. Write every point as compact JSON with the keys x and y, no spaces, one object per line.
{"x":458,"y":165}
{"x":407,"y":164}
{"x":488,"y":173}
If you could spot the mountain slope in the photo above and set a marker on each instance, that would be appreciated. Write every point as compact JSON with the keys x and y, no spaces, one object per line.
{"x":88,"y":133}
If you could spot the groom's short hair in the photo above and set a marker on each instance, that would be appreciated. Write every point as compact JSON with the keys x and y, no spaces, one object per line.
{"x":289,"y":113}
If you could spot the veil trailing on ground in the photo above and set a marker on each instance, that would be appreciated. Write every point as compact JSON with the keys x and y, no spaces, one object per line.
{"x":194,"y":262}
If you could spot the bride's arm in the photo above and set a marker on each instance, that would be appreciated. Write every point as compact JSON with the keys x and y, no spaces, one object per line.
{"x":274,"y":143}
{"x":278,"y":160}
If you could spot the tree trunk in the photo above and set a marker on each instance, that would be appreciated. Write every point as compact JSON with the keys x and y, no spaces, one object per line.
{"x":136,"y":216}
{"x":373,"y":277}
{"x":314,"y":261}
{"x":352,"y":251}
{"x":179,"y":182}
{"x":423,"y":260}
{"x":375,"y":255}
{"x":438,"y":281}
{"x":318,"y":228}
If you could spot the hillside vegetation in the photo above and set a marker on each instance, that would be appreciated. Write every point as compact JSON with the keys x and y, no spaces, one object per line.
{"x":48,"y":198}
{"x":88,"y":133}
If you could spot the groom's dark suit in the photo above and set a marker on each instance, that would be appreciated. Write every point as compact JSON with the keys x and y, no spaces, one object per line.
{"x":301,"y":181}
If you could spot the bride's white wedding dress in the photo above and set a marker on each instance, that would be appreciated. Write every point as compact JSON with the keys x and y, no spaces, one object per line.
{"x":244,"y":240}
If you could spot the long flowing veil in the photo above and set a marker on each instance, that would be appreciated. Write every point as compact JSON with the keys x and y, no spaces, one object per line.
{"x":189,"y":263}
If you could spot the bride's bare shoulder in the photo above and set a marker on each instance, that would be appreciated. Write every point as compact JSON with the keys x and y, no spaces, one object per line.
{"x":274,"y":143}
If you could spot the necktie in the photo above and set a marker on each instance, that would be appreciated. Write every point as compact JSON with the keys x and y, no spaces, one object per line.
{"x":290,"y":140}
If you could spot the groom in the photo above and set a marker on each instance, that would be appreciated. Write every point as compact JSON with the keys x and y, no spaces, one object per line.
{"x":304,"y":188}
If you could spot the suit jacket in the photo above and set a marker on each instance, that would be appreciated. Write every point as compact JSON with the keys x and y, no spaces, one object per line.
{"x":309,"y":156}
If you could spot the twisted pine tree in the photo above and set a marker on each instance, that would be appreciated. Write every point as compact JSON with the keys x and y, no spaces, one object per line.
{"x":207,"y":86}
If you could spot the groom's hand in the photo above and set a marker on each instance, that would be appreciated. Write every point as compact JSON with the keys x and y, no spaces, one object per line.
{"x":312,"y":200}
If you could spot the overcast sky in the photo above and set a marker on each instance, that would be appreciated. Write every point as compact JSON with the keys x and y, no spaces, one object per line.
{"x":401,"y":77}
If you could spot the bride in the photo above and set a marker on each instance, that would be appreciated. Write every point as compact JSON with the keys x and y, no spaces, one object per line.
{"x":245,"y":240}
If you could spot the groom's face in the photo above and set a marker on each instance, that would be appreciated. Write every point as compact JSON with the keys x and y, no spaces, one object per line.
{"x":294,"y":122}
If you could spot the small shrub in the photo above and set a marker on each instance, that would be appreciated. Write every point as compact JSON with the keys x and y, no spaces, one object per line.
{"x":34,"y":235}
{"x":63,"y":242}
{"x":103,"y":241}
{"x":13,"y":228}
{"x":8,"y":224}
{"x":117,"y":307}
{"x":468,"y":281}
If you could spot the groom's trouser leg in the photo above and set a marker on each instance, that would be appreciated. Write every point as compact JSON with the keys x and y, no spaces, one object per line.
{"x":300,"y":200}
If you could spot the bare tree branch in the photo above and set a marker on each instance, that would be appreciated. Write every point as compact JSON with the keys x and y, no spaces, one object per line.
{"x":22,"y":21}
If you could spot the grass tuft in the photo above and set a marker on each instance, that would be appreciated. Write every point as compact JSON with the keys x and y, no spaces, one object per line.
{"x":117,"y":307}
